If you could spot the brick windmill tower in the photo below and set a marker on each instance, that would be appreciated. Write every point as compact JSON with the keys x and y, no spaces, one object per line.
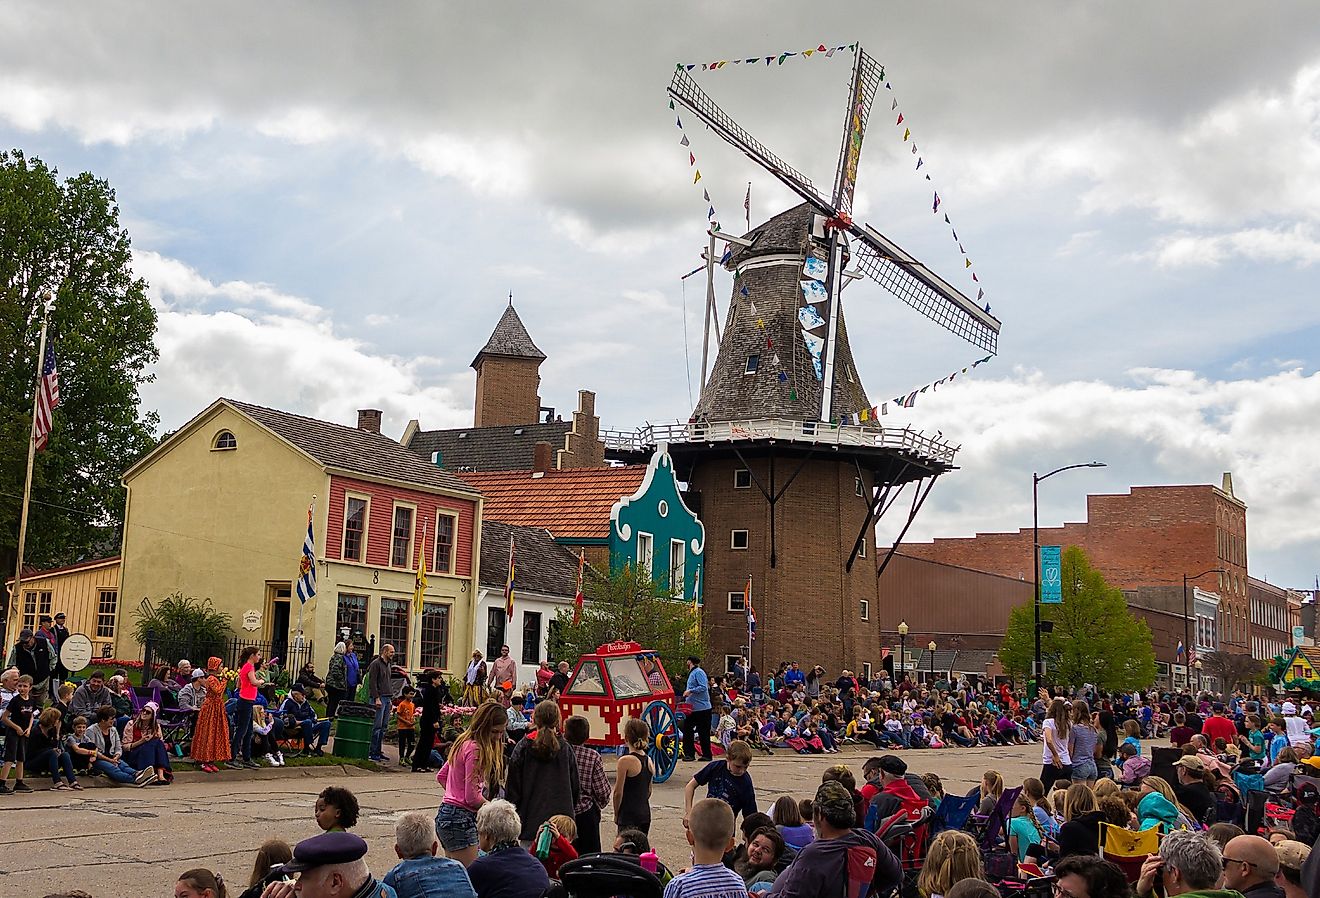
{"x":789,"y":497}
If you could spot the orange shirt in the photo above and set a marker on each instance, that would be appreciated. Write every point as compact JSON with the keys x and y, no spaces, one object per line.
{"x":407,"y":712}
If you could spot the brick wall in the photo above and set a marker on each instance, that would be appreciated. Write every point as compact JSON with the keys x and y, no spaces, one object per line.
{"x":507,"y":391}
{"x":808,"y":608}
{"x":582,"y":445}
{"x":1149,"y":536}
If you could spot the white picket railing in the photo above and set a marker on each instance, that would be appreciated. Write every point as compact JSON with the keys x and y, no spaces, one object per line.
{"x":904,"y":439}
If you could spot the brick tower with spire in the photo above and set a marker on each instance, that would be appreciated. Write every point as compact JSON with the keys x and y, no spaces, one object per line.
{"x":508,"y":375}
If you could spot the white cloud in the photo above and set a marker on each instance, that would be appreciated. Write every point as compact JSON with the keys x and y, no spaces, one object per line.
{"x":287,"y":355}
{"x":1164,"y":426}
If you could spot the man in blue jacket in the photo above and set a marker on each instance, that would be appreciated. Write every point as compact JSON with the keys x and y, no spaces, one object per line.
{"x":301,"y":720}
{"x":697,"y":722}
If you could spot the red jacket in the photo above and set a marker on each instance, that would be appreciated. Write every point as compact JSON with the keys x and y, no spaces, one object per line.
{"x":1217,"y":727}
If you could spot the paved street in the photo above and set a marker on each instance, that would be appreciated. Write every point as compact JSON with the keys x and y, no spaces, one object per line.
{"x":133,"y":843}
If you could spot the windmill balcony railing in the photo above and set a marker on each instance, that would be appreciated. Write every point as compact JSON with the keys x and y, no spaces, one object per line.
{"x":904,"y":439}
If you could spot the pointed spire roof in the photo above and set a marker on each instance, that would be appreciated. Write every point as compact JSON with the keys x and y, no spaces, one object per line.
{"x":510,"y":339}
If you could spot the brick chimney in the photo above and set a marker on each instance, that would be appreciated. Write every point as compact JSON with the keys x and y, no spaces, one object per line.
{"x":369,"y":419}
{"x":542,"y":453}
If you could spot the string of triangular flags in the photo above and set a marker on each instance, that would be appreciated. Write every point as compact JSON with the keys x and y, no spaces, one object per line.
{"x":686,"y":143}
{"x":821,"y":50}
{"x":936,"y":201}
{"x":907,"y":400}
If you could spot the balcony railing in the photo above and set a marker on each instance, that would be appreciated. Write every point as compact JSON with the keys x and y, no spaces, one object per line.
{"x":903,"y":439}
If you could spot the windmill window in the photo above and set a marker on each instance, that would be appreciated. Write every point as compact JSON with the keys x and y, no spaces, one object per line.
{"x":663,"y":508}
{"x":738,"y":539}
{"x":857,"y":485}
{"x":738,"y":601}
{"x":866,"y":609}
{"x":742,"y":479}
{"x":225,"y":439}
{"x":753,"y":363}
{"x":850,"y":374}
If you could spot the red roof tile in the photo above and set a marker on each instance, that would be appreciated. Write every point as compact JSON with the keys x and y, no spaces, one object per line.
{"x":572,"y":504}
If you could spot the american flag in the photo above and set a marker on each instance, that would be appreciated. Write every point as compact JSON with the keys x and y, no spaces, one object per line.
{"x":48,"y":399}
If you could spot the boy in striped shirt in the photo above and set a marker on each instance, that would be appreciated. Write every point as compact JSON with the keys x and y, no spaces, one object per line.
{"x":710,"y":833}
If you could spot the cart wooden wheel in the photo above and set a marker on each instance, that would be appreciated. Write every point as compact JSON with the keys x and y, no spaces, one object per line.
{"x":664,"y":739}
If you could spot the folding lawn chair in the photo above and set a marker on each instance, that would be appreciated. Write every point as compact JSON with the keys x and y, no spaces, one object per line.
{"x":1255,"y":804}
{"x":1128,"y":850}
{"x":953,"y":813}
{"x":997,"y":823}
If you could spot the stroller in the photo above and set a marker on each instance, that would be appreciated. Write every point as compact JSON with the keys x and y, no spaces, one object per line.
{"x":604,"y":876}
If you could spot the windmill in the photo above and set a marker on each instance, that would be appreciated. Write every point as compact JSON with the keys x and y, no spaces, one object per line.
{"x":790,"y":499}
{"x":876,"y":256}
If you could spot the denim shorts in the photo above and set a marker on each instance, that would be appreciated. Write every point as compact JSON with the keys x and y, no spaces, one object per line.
{"x":1084,"y":769}
{"x":456,"y":827}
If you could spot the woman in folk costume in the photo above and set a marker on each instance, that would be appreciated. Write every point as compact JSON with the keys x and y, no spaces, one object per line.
{"x":474,"y":681}
{"x":210,"y":744}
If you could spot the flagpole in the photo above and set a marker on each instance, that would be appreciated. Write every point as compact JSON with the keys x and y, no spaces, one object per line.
{"x":750,"y":612}
{"x":311,"y":514}
{"x":31,"y":459}
{"x":421,"y":605}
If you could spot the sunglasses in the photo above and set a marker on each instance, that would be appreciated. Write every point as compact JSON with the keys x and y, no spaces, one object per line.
{"x":1233,"y":860}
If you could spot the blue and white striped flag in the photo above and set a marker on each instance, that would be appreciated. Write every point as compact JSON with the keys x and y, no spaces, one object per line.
{"x":307,"y":564}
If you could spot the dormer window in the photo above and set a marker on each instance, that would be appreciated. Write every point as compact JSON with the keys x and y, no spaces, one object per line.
{"x":753,"y":363}
{"x":225,"y":439}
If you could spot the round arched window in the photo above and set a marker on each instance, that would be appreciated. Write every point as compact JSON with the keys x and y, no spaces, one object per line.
{"x":224,"y":440}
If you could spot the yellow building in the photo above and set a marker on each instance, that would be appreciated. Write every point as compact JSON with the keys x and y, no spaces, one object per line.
{"x":87,"y":593}
{"x":219,"y":511}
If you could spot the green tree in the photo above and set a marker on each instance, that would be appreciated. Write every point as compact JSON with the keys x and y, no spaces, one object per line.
{"x":1233,"y":670}
{"x":180,"y":626}
{"x":629,"y":605}
{"x":1095,"y":638}
{"x":64,"y":237}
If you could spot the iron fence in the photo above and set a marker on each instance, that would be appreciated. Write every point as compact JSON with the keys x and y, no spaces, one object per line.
{"x":162,"y":648}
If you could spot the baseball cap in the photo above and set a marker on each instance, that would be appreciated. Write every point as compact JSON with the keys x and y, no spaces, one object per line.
{"x":25,"y":633}
{"x":1289,"y":708}
{"x":198,"y":673}
{"x":1292,"y":854}
{"x":1191,"y":762}
{"x":296,"y":687}
{"x":59,"y":615}
{"x":893,"y":765}
{"x":325,"y":849}
{"x":834,"y":802}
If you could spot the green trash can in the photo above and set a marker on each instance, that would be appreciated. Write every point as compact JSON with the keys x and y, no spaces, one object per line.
{"x":353,"y":730}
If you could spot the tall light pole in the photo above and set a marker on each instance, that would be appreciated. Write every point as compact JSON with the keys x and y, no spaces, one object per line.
{"x":1187,"y":618}
{"x":902,"y":639}
{"x":1035,"y":552}
{"x":930,"y":647}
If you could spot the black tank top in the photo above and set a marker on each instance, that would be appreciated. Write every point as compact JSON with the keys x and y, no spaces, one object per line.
{"x":635,"y":806}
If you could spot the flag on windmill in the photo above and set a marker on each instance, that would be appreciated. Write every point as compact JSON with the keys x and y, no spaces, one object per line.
{"x":307,"y":564}
{"x":419,"y":585}
{"x":577,"y":599}
{"x":696,"y":602}
{"x":48,"y":399}
{"x":508,"y":584}
{"x":747,"y":205}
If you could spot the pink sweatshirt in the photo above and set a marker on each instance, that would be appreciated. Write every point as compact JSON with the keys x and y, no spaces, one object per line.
{"x":461,"y":779}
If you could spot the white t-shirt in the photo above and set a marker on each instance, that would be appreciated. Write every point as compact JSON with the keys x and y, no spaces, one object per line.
{"x":1060,"y":744}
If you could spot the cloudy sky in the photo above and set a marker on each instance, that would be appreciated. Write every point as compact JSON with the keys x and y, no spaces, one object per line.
{"x":332,"y":201}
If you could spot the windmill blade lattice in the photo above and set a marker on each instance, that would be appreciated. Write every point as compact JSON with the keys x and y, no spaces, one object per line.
{"x":912,"y":282}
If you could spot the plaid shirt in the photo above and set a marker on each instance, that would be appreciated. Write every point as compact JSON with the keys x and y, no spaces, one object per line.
{"x":591,"y":776}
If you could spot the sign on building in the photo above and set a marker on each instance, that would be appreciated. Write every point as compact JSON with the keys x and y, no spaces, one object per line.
{"x":1298,"y":634}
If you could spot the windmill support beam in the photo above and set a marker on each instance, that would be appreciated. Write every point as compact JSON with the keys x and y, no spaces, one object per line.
{"x":918,"y":499}
{"x":770,"y":494}
{"x":710,"y":309}
{"x":876,"y":510}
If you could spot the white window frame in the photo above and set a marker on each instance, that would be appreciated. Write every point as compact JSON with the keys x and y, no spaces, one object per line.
{"x":865,"y":608}
{"x":752,"y":365}
{"x":742,"y":486}
{"x":453,"y":548}
{"x":866,"y":671}
{"x":741,"y":604}
{"x":366,"y":527}
{"x":412,"y":533}
{"x":676,"y":583}
{"x":730,"y":661}
{"x":646,"y":552}
{"x":733,"y":540}
{"x":861,"y":553}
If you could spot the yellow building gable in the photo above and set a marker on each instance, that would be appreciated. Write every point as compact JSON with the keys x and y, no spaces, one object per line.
{"x":218,"y":511}
{"x":87,"y":593}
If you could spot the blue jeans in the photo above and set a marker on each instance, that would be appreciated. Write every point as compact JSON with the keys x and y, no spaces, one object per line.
{"x":379,"y":727}
{"x":240,"y":746}
{"x":315,"y":733}
{"x":151,"y":753}
{"x":116,"y":770}
{"x":57,"y":761}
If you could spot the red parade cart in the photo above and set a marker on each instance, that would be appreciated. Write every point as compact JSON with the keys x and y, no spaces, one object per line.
{"x":621,"y":680}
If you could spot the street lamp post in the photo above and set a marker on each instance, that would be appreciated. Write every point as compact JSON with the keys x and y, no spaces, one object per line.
{"x":1187,"y":619}
{"x":930,"y":646}
{"x":902,"y":639}
{"x":1035,"y":552}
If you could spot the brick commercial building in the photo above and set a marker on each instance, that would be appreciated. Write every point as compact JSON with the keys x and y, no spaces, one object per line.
{"x":1271,"y":618}
{"x":1149,"y":536}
